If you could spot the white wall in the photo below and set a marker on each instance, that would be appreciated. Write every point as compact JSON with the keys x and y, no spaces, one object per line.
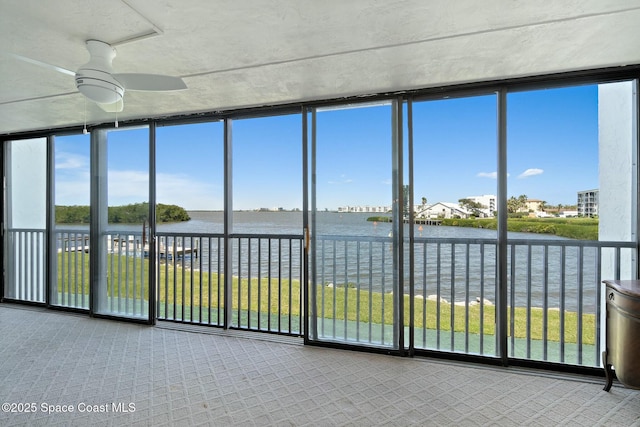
{"x":618,"y":187}
{"x":617,"y":170}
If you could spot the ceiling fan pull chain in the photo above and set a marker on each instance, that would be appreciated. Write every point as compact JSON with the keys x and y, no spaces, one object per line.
{"x":116,"y":111}
{"x":84,"y":130}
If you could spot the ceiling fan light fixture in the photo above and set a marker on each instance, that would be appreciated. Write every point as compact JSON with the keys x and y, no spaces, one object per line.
{"x":99,"y":86}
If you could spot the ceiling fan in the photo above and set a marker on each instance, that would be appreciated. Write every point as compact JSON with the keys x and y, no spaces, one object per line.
{"x":96,"y":81}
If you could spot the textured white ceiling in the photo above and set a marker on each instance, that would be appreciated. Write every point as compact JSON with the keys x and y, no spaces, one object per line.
{"x":235,"y":54}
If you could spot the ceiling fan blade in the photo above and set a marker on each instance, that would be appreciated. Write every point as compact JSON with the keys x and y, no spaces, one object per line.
{"x":115,"y":107}
{"x":149,"y":82}
{"x":38,"y":63}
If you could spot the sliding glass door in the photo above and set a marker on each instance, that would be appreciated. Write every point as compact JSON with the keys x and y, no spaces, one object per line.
{"x":354,"y":284}
{"x":265,"y":244}
{"x":120,"y":216}
{"x":454,"y":232}
{"x":70,"y":242}
{"x":190,"y":223}
{"x":572,"y":215}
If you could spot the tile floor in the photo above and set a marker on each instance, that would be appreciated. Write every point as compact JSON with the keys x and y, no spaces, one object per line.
{"x":163,"y":376}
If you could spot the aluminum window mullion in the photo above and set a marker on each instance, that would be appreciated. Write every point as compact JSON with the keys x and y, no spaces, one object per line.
{"x":411,"y":343}
{"x":228,"y":222}
{"x":501,"y":295}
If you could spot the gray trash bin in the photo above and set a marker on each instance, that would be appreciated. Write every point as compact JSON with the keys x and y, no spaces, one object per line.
{"x":623,"y":332}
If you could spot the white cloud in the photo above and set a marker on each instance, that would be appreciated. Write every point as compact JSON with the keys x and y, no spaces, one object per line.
{"x":127,"y":187}
{"x":133,"y":187}
{"x":72,"y":189}
{"x":71,"y":179}
{"x":182,"y":190}
{"x":531,"y":172}
{"x":342,"y":180}
{"x":189,"y":193}
{"x":71,"y":161}
{"x":492,"y":175}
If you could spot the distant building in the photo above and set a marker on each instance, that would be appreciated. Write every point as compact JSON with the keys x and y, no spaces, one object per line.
{"x":443,"y":210}
{"x":488,"y":201}
{"x":588,"y":203}
{"x":533,"y":205}
{"x":375,"y":209}
{"x":566,"y":213}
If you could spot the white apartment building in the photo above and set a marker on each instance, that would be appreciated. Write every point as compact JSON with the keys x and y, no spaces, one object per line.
{"x":588,"y":203}
{"x":488,"y":201}
{"x":374,"y":209}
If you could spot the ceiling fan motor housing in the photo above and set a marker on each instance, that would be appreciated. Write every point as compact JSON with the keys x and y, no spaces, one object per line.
{"x":94,"y":78}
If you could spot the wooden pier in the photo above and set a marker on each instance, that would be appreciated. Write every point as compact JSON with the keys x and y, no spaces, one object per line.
{"x":168,"y":252}
{"x":79,"y":244}
{"x":132,"y":246}
{"x":425,"y":221}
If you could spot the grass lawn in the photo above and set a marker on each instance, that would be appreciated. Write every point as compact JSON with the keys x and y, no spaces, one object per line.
{"x":202,"y":289}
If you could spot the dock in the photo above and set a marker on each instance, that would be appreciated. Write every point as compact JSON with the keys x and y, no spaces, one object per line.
{"x":79,"y":244}
{"x":425,"y":221}
{"x":132,"y":246}
{"x":421,"y":221}
{"x":168,"y":252}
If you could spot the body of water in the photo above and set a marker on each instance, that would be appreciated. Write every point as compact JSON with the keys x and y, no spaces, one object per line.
{"x":353,"y":251}
{"x":344,"y":254}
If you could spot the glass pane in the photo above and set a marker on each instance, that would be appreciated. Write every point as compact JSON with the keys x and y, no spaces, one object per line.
{"x":267,"y":246}
{"x":124,"y":214}
{"x":571,"y":155}
{"x":455,"y":188}
{"x":267,"y":175}
{"x":72,"y":216}
{"x":354,"y":290}
{"x":25,"y":219}
{"x":190,"y":222}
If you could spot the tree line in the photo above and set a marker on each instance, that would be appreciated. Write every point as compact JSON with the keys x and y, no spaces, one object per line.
{"x":135,"y":213}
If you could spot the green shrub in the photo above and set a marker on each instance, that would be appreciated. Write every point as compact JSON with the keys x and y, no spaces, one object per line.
{"x":573,"y":228}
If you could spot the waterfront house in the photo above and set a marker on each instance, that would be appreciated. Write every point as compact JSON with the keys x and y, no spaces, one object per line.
{"x":442,"y":210}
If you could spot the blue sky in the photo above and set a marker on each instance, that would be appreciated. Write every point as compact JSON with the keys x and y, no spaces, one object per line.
{"x":552,"y":154}
{"x":552,"y":147}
